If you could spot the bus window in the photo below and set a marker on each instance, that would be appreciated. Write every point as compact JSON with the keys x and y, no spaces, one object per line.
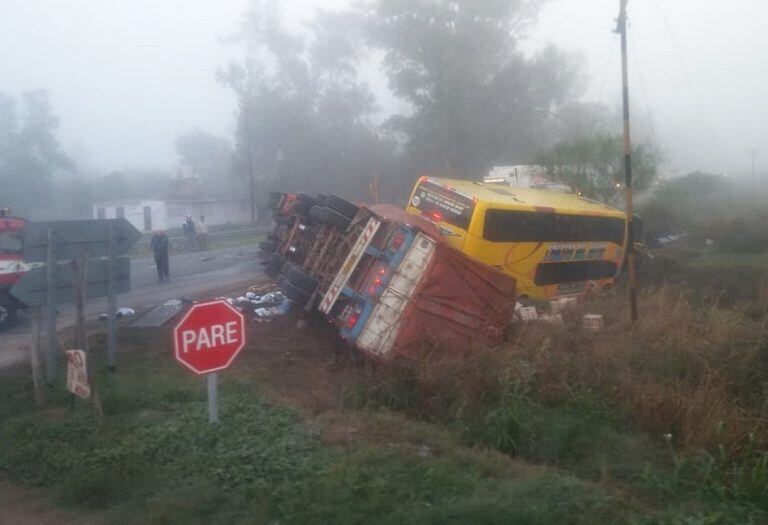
{"x":442,"y":204}
{"x":575,"y":271}
{"x":526,"y":226}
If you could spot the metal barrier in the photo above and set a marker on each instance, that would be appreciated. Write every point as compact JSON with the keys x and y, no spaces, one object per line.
{"x":177,"y":243}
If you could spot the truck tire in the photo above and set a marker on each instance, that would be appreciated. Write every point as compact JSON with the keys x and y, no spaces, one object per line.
{"x":273,"y":267}
{"x":299,"y":277}
{"x":8,"y":311}
{"x":293,"y":292}
{"x":329,"y":216}
{"x":301,"y":208}
{"x":303,"y":197}
{"x":274,"y":200}
{"x":342,"y":206}
{"x":268,"y":246}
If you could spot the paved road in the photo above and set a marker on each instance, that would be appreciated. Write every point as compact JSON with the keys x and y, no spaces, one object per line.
{"x":192,"y":274}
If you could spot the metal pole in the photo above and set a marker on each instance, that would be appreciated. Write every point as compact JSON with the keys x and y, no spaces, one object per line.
{"x":111,"y":302}
{"x":35,"y":357}
{"x":213,"y":397}
{"x":50,"y":285}
{"x":621,"y":28}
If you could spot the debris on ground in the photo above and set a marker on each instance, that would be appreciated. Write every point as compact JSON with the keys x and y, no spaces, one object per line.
{"x":526,"y":313}
{"x":556,"y":319}
{"x":120,"y":313}
{"x":283,"y":308}
{"x":159,"y":315}
{"x":592,"y":322}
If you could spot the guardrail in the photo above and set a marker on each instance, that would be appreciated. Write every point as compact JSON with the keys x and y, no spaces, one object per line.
{"x":177,"y":243}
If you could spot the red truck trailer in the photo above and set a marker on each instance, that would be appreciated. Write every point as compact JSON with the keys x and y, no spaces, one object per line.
{"x":385,"y":278}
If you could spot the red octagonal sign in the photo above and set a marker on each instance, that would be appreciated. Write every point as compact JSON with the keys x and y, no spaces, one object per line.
{"x":209,"y":337}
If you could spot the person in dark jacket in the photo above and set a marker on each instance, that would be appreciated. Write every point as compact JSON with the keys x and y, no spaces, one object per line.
{"x":160,"y":248}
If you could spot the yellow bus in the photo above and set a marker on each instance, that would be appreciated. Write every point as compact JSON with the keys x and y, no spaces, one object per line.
{"x":554,"y":243}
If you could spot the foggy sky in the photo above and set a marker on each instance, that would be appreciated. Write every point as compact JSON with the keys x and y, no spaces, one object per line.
{"x":128,"y":76}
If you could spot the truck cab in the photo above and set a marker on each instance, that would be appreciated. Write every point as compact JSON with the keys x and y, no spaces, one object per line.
{"x":12,"y":265}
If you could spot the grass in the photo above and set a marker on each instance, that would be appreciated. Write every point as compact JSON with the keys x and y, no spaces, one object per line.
{"x":677,"y":405}
{"x":156,"y":460}
{"x":663,"y":423}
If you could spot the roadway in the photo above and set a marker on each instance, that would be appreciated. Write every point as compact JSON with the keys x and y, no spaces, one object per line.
{"x":192,"y":275}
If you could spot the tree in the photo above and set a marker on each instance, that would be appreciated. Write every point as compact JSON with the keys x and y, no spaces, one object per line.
{"x":210,"y":159}
{"x":304,"y":116}
{"x":204,"y":154}
{"x":477,"y":99}
{"x":594,"y":166}
{"x":29,"y":153}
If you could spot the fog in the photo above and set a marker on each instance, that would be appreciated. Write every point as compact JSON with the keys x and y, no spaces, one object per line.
{"x":127,"y":78}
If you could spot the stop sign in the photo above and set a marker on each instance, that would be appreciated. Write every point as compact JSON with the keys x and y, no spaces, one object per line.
{"x":209,"y":337}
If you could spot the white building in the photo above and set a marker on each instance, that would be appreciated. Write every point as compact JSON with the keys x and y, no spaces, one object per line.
{"x":150,"y":214}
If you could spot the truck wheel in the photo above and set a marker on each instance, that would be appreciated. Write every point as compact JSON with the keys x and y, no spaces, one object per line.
{"x":303,"y":197}
{"x":342,"y":206}
{"x":293,"y":292}
{"x":301,"y":208}
{"x":7,"y":311}
{"x":268,"y":246}
{"x":273,"y":267}
{"x":299,"y":277}
{"x":274,"y":200}
{"x":329,"y":216}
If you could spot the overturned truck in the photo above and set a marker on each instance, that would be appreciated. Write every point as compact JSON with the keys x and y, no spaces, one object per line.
{"x":384,"y":278}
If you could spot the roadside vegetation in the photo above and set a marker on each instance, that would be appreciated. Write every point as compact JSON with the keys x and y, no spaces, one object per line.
{"x":665,"y":423}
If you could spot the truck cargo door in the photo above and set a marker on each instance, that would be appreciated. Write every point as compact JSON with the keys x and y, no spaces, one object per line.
{"x":380,"y":332}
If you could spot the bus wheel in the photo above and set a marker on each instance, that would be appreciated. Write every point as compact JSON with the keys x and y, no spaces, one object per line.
{"x":342,"y":206}
{"x":329,"y":216}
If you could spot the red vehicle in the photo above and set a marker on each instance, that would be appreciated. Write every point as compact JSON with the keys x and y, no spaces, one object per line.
{"x":12,"y":267}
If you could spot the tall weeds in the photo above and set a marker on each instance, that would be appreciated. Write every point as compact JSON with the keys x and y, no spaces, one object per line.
{"x":698,"y":375}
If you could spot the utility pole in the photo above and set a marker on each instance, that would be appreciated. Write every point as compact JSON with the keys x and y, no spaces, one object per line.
{"x":621,"y":28}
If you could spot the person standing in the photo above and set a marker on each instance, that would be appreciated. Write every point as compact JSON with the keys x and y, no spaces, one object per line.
{"x":160,"y":248}
{"x":202,"y":234}
{"x":189,"y":233}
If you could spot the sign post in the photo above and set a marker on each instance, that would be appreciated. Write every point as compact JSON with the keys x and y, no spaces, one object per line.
{"x":206,"y":340}
{"x":50,"y":301}
{"x":212,"y":380}
{"x":111,"y":302}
